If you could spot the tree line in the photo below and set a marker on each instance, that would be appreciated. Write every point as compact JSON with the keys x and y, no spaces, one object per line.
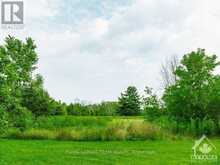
{"x":191,"y":91}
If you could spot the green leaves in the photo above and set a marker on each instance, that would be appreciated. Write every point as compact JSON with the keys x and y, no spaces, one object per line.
{"x":151,"y":105}
{"x":17,"y":62}
{"x":194,"y":90}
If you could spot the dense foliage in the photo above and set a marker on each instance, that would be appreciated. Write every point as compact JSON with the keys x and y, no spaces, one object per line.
{"x":129,"y":102}
{"x":102,"y":109}
{"x":17,"y":62}
{"x":35,"y":98}
{"x":195,"y":95}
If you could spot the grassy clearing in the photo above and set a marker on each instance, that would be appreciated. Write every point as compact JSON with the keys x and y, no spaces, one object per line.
{"x":46,"y":152}
{"x":90,"y":129}
{"x":79,"y":122}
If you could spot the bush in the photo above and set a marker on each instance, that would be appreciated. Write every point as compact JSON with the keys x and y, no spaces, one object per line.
{"x":206,"y":126}
{"x":4,"y":124}
{"x":21,"y":118}
{"x":153,"y":113}
{"x":58,"y":109}
{"x":192,"y":128}
{"x":35,"y":98}
{"x":151,"y":105}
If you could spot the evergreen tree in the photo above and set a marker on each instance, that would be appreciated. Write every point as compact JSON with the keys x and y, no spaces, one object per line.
{"x":129,"y":102}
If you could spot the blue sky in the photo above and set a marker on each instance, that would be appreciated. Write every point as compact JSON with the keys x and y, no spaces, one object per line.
{"x":71,"y":12}
{"x":94,"y":49}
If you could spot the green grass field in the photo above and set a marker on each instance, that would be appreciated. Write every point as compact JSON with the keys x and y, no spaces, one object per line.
{"x":88,"y":128}
{"x":90,"y":150}
{"x":20,"y":152}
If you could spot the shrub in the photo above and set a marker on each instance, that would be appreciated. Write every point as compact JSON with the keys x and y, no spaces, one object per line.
{"x":58,"y":108}
{"x":151,"y":105}
{"x":21,"y":118}
{"x":192,"y":128}
{"x":205,"y":126}
{"x":4,"y":124}
{"x":208,"y":127}
{"x":35,"y":98}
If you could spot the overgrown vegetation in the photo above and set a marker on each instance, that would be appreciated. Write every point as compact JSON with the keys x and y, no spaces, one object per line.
{"x":190,"y":103}
{"x":194,"y":98}
{"x":102,"y":109}
{"x":90,"y":129}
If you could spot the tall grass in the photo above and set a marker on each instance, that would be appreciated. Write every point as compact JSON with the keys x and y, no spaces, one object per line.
{"x":192,"y":128}
{"x":31,"y":134}
{"x":57,"y":122}
{"x":90,"y":129}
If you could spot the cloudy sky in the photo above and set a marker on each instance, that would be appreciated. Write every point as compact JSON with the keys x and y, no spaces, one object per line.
{"x":94,"y":49}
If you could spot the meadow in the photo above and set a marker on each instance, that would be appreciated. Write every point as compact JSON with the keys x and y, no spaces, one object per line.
{"x":95,"y":140}
{"x":49,"y":152}
{"x":89,"y":128}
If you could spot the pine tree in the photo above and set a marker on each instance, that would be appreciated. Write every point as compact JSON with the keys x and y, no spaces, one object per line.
{"x":129,"y":102}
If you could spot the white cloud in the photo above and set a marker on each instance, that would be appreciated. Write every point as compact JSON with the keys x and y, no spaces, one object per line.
{"x":99,"y":56}
{"x":40,"y":8}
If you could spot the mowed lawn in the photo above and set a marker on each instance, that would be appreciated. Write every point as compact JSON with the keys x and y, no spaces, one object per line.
{"x":44,"y":152}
